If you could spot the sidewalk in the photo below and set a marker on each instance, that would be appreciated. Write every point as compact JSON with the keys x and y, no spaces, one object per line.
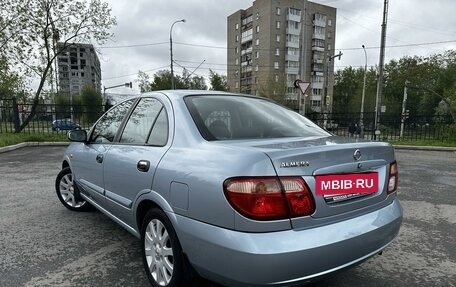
{"x":29,"y":144}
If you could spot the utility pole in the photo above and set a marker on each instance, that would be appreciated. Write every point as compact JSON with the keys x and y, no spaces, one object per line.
{"x":404,"y":104}
{"x":378,"y":97}
{"x":324,"y":98}
{"x":171,"y":50}
{"x":361,"y":114}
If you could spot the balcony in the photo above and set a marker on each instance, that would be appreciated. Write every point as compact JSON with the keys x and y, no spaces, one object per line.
{"x":317,"y":48}
{"x":292,"y":17}
{"x":293,"y":31}
{"x":317,"y":85}
{"x":246,"y":51}
{"x":292,"y":71}
{"x":248,"y":38}
{"x":318,"y":36}
{"x":294,"y":58}
{"x":317,"y":73}
{"x":292,"y":44}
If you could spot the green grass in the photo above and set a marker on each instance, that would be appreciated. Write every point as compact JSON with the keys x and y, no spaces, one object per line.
{"x":425,"y":143}
{"x":7,"y":139}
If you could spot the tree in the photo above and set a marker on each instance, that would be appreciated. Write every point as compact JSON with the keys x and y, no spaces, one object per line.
{"x":144,"y":82}
{"x":62,"y":106}
{"x":10,"y":83}
{"x":218,"y":82}
{"x":30,"y":30}
{"x":274,"y":90}
{"x":192,"y":83}
{"x":91,"y":102}
{"x":162,"y":81}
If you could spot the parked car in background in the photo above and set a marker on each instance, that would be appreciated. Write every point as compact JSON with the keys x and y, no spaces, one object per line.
{"x":65,"y":124}
{"x":235,"y":187}
{"x":331,"y":126}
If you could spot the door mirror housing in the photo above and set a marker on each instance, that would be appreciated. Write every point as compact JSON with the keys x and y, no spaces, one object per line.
{"x":77,"y":136}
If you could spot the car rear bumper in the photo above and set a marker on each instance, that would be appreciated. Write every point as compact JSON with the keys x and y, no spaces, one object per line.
{"x":287,"y":257}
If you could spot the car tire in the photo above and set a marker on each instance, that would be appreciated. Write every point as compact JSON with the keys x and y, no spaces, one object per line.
{"x":68,"y":192}
{"x":162,"y":254}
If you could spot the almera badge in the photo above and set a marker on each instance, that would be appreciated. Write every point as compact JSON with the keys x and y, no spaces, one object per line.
{"x":335,"y":184}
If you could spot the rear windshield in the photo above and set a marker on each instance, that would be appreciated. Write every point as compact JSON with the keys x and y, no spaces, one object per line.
{"x":237,"y":117}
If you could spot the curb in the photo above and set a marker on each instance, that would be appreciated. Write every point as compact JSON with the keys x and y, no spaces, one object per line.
{"x":425,"y":148}
{"x":31,"y":144}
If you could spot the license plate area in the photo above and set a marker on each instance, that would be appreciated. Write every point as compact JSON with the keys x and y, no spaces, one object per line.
{"x":342,"y":187}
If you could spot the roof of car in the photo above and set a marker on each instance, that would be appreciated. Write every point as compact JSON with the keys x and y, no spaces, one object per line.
{"x":184,"y":93}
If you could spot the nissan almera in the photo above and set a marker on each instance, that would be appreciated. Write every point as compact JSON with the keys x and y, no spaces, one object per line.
{"x":237,"y":188}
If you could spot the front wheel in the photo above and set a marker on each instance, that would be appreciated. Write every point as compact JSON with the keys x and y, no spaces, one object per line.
{"x":162,"y":253}
{"x":68,"y":192}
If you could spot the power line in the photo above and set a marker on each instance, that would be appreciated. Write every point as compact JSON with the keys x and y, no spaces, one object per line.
{"x":265,"y":49}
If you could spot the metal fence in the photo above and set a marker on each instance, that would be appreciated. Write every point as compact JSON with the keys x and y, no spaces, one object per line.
{"x":47,"y":118}
{"x":391,"y":127}
{"x":415,"y":127}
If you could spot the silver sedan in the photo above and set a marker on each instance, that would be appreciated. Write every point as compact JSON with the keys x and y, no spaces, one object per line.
{"x":233,"y":188}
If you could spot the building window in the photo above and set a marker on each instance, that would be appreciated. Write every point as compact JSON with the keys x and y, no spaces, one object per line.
{"x":257,"y":16}
{"x":277,"y":38}
{"x":329,"y":22}
{"x":276,"y":78}
{"x":316,"y":92}
{"x":278,"y":10}
{"x":293,"y":11}
{"x":278,"y":24}
{"x":257,"y":29}
{"x":256,"y":70}
{"x":257,"y":54}
{"x":237,"y":61}
{"x":247,"y":20}
{"x":277,"y":52}
{"x":329,"y":47}
{"x":257,"y":42}
{"x":236,"y":50}
{"x":236,"y":26}
{"x":315,"y":103}
{"x":329,"y":35}
{"x":276,"y":65}
{"x":237,"y":38}
{"x":237,"y":85}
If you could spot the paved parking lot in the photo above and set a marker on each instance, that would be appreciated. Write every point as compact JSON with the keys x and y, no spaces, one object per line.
{"x":44,"y":244}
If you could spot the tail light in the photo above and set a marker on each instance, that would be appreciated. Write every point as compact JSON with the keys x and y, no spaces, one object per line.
{"x":393,"y":178}
{"x":269,"y":198}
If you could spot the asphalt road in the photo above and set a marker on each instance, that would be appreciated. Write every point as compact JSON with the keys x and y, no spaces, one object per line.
{"x":44,"y":244}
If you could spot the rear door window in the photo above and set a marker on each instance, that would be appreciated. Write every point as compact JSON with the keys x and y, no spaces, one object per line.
{"x":148,"y":123}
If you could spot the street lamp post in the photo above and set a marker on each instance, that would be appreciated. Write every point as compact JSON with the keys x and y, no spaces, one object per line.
{"x":171,"y":50}
{"x":361,"y":115}
{"x":326,"y":84}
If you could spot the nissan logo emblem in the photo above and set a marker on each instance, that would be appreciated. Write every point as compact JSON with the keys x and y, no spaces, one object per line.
{"x":357,"y":155}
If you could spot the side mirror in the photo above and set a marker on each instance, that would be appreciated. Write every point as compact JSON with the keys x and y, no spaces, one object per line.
{"x":77,"y":136}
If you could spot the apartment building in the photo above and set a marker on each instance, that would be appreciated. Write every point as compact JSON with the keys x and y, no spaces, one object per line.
{"x":273,"y":43}
{"x":76,"y":67}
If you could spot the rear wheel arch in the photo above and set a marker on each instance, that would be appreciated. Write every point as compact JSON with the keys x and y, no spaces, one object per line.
{"x":65,"y":164}
{"x":142,"y":209}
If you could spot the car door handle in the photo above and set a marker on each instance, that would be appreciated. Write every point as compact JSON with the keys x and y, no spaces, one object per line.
{"x":143,"y":165}
{"x":99,"y":158}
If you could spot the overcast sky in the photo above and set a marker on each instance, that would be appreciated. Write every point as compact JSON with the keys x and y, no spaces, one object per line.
{"x":141,"y":41}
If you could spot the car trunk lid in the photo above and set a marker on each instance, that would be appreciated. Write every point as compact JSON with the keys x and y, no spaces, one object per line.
{"x":315,"y":159}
